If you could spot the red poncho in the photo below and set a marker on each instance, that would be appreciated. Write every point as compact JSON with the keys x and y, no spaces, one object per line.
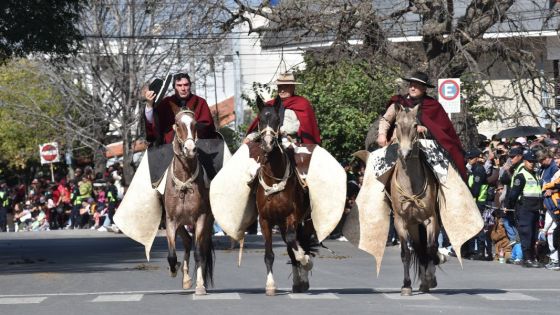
{"x":166,"y":111}
{"x":308,"y":130}
{"x":433,"y":116}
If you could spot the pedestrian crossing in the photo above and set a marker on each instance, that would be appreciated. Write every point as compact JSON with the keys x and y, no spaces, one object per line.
{"x":528,"y":295}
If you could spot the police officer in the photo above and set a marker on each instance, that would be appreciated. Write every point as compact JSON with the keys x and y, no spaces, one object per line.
{"x":525,"y":197}
{"x":478,"y":185}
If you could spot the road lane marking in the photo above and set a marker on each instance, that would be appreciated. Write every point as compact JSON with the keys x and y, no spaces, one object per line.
{"x":119,"y":298}
{"x":313,"y":296}
{"x":22,"y":300}
{"x":217,"y":296}
{"x":507,"y":296}
{"x":414,"y":297}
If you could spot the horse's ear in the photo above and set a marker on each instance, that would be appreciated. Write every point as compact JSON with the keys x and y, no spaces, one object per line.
{"x":277,"y":103}
{"x":398,"y":107}
{"x":416,"y":108}
{"x":260,"y":103}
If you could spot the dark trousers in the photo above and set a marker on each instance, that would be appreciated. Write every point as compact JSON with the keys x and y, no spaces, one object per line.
{"x":3,"y":219}
{"x":76,"y":219}
{"x":527,"y":228}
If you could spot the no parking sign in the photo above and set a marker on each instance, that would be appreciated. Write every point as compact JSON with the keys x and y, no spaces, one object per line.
{"x":449,"y":95}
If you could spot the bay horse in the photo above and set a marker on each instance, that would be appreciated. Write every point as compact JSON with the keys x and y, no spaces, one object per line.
{"x":186,"y":202}
{"x":281,"y":200}
{"x":414,"y":190}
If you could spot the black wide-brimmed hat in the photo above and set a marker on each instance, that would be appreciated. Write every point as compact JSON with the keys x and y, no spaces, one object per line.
{"x":160,"y":87}
{"x":419,"y":77}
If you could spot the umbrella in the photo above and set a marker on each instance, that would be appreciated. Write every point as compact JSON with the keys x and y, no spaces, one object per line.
{"x":522,"y":131}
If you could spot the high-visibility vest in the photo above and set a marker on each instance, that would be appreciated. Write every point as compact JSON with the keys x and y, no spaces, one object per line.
{"x":532,"y":188}
{"x":4,"y":198}
{"x":483,"y":194}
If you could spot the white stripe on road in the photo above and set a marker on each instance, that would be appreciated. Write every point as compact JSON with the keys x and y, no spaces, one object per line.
{"x":23,"y":300}
{"x":414,"y":297}
{"x":312,"y":296}
{"x":119,"y":298}
{"x":507,"y":296}
{"x":217,"y":296}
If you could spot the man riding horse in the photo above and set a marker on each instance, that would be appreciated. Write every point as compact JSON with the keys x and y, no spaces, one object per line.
{"x":140,"y":212}
{"x":367,"y":224}
{"x":297,"y":115}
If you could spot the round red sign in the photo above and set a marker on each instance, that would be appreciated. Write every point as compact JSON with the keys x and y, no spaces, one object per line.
{"x":49,"y":152}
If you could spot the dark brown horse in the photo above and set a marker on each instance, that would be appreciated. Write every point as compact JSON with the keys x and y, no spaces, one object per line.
{"x":186,"y":203}
{"x":281,"y":200}
{"x":414,"y":200}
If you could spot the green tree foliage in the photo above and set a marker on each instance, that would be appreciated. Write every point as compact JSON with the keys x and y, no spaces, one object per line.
{"x":28,"y":111}
{"x":347,"y":97}
{"x":41,"y":26}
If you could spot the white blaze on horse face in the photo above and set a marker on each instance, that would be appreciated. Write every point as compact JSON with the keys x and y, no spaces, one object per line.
{"x":189,"y":146}
{"x":268,"y":138}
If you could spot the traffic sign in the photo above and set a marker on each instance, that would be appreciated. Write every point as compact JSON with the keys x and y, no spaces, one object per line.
{"x":49,"y":153}
{"x":449,"y":95}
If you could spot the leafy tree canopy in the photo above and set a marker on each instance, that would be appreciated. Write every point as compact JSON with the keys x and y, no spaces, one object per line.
{"x":347,"y":96}
{"x":28,"y":111}
{"x":39,"y":26}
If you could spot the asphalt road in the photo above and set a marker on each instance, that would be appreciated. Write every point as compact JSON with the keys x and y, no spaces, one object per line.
{"x":89,"y":272}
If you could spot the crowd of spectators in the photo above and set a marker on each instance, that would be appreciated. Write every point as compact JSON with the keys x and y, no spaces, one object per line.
{"x":86,"y":201}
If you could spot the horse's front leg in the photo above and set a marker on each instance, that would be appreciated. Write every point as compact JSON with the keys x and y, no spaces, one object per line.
{"x":266,"y":230}
{"x":405,"y":254}
{"x":297,"y":257}
{"x":203,"y":252}
{"x":171,"y":228}
{"x":434,"y":256}
{"x":187,"y":244}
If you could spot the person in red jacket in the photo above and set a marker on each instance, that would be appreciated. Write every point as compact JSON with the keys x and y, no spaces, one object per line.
{"x":299,"y":117}
{"x":160,"y":118}
{"x":433,"y":119}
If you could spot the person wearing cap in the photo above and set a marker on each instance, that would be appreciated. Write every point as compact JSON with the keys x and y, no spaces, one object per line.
{"x":525,"y":197}
{"x":161,"y":117}
{"x":478,"y":185}
{"x":299,"y":116}
{"x":551,"y":194}
{"x":506,"y":174}
{"x":433,"y":119}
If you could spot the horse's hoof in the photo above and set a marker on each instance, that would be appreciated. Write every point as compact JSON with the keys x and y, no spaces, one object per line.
{"x":173,"y":274}
{"x":187,"y":284}
{"x":424,"y":288}
{"x":406,"y":291}
{"x":200,"y":291}
{"x":270,"y":291}
{"x":300,"y":287}
{"x":442,"y":258}
{"x":309,"y":265}
{"x":433,"y":283}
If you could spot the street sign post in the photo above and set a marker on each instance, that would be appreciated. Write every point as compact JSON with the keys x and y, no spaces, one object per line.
{"x":449,"y":94}
{"x":49,"y":154}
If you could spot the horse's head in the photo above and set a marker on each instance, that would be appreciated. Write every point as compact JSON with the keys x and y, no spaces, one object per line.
{"x":269,"y":123}
{"x":185,"y":132}
{"x":405,"y":129}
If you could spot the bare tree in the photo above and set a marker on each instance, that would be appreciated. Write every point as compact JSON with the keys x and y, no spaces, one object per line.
{"x":126,"y":44}
{"x":445,"y":38}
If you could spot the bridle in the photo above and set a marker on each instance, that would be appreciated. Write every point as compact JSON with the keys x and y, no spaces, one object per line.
{"x":180,"y":141}
{"x":181,"y":186}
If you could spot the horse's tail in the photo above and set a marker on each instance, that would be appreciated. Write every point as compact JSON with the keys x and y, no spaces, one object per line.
{"x":306,"y":238}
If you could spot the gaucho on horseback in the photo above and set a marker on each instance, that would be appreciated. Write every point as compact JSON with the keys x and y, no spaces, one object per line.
{"x":185,"y":153}
{"x":419,"y":174}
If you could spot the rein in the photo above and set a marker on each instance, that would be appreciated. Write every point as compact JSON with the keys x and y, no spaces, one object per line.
{"x":276,"y":187}
{"x":181,"y":186}
{"x":415,"y":199}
